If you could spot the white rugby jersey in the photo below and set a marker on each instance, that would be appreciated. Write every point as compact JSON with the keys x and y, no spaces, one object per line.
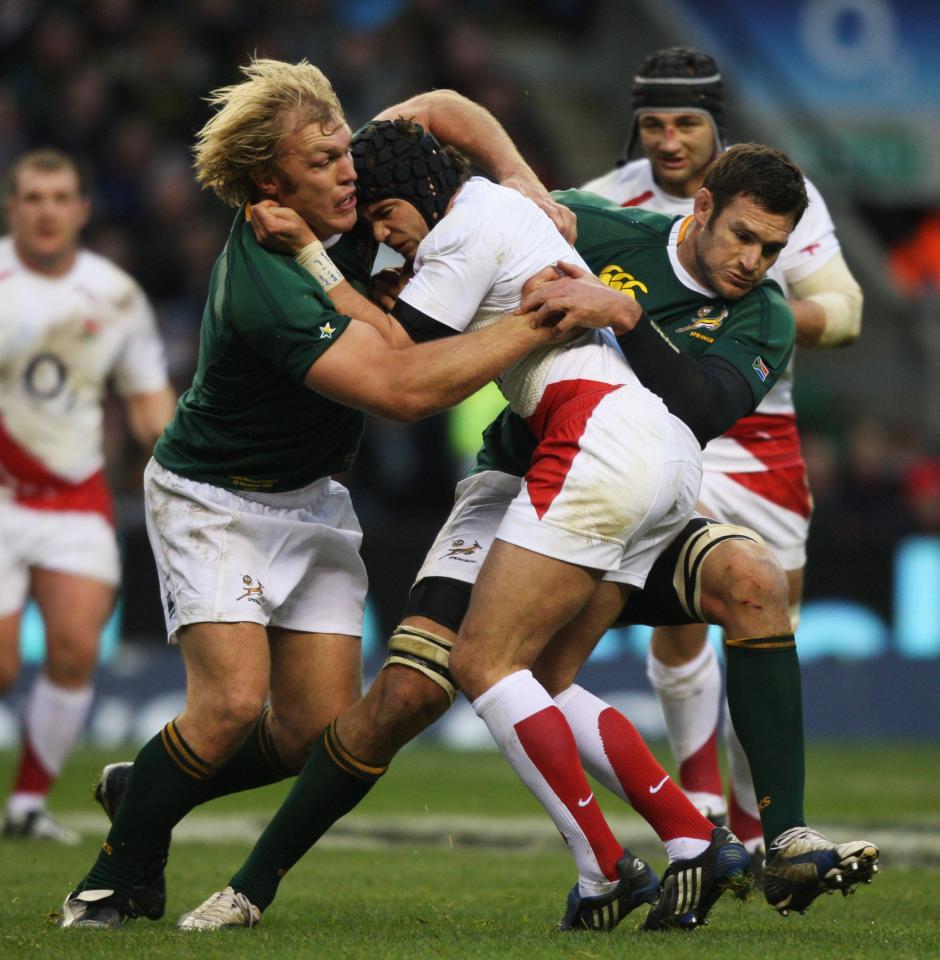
{"x":62,"y":339}
{"x":767,"y":438}
{"x":470,"y":270}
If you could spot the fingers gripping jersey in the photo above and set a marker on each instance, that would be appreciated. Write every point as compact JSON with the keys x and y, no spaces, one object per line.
{"x":61,"y":340}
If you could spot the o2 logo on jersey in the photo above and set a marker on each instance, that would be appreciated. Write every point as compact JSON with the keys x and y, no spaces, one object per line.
{"x":618,"y":279}
{"x":45,"y":376}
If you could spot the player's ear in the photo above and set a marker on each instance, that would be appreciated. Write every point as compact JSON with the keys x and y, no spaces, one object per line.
{"x":703,"y":205}
{"x":265,"y":179}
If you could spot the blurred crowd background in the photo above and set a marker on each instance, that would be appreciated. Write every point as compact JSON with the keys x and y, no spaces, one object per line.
{"x":121,"y":85}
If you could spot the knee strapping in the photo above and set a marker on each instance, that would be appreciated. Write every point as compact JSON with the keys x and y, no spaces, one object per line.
{"x":425,"y":652}
{"x":687,"y":578}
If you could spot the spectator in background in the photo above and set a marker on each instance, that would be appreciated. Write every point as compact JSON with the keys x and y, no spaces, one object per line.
{"x":69,"y":322}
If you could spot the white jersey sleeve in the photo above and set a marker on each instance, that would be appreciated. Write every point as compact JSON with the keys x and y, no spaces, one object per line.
{"x":141,"y":366}
{"x":811,"y":245}
{"x":452,"y":272}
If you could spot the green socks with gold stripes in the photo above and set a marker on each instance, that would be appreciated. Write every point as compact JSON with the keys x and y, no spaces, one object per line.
{"x":331,"y":783}
{"x":766,"y":706}
{"x":167,"y":781}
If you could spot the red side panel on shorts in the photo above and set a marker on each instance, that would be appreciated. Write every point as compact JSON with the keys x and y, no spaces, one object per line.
{"x":36,"y":487}
{"x":559,"y":421}
{"x":771,"y":438}
{"x":786,"y":487}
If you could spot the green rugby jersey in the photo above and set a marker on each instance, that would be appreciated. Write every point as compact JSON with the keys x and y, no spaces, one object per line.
{"x":626,"y":247}
{"x":248,"y":422}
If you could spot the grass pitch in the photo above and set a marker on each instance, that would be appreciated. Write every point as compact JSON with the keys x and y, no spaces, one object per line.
{"x":494,"y":882}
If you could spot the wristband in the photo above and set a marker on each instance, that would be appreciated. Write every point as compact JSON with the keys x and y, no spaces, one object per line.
{"x":316,"y":261}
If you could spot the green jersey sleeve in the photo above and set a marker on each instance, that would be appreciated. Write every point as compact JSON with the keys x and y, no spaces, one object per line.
{"x":281,"y":313}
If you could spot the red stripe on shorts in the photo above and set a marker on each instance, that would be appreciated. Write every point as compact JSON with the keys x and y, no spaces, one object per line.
{"x":786,"y":487}
{"x":559,"y":421}
{"x":771,"y":438}
{"x":36,"y":487}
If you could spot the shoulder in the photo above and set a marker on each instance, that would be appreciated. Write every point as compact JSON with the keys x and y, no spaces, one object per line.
{"x":623,"y":184}
{"x":105,"y":278}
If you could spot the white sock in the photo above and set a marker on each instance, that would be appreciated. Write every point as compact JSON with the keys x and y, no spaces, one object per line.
{"x":582,"y":710}
{"x":690,"y":698}
{"x":54,"y":719}
{"x":514,"y":700}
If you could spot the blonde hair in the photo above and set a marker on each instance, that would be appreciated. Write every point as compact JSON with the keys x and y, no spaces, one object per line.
{"x":246,"y":131}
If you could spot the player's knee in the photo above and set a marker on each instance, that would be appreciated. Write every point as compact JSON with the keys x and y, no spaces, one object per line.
{"x":71,"y":661}
{"x":230,"y":716}
{"x":750,"y":581}
{"x":420,"y":651}
{"x":407,"y":700}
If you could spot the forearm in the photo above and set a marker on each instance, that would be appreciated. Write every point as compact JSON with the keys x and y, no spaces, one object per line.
{"x":708,"y":395}
{"x":469,"y":127}
{"x":436,"y":375}
{"x":149,"y":413}
{"x":827,"y":306}
{"x":349,"y":301}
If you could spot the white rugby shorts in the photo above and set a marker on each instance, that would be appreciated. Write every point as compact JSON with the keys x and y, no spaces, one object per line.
{"x":775,"y":503}
{"x":67,"y":541}
{"x":287,"y":559}
{"x":608,"y":488}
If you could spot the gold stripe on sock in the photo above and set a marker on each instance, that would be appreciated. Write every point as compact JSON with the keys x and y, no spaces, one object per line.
{"x":182,"y":756}
{"x":345,"y":760}
{"x":762,"y":643}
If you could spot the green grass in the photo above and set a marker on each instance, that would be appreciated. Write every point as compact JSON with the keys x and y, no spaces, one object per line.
{"x":417,"y":901}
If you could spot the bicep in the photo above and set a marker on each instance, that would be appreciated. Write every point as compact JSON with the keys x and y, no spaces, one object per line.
{"x":355,"y":370}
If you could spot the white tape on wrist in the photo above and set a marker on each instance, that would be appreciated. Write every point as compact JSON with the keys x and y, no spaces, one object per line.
{"x":316,"y":261}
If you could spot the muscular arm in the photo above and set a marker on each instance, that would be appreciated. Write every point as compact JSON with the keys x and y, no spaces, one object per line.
{"x":361,"y":370}
{"x":149,"y":413}
{"x":283,"y":229}
{"x":474,"y":131}
{"x":827,"y":306}
{"x":708,"y":395}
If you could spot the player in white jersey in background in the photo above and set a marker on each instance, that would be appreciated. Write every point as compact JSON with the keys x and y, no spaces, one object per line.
{"x":70,"y":323}
{"x":754,"y":474}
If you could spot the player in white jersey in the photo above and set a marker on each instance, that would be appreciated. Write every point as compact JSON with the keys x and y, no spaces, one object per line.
{"x":754,"y":474}
{"x":70,"y":322}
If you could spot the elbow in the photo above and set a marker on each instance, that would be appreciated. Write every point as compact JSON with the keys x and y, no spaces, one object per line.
{"x":402,"y":408}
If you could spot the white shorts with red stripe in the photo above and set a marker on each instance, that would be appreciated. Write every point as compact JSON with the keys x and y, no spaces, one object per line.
{"x":776,"y":503}
{"x":286,"y":559}
{"x":614,"y":477}
{"x":66,"y":541}
{"x":613,"y":480}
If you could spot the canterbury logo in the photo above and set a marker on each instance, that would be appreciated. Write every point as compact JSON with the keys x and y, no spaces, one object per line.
{"x":703,"y":321}
{"x":618,"y":279}
{"x":659,"y":785}
{"x":253,"y":593}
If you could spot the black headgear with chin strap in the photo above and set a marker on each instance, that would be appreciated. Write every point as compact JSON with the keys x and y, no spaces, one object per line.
{"x":679,"y":78}
{"x":398,"y":159}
